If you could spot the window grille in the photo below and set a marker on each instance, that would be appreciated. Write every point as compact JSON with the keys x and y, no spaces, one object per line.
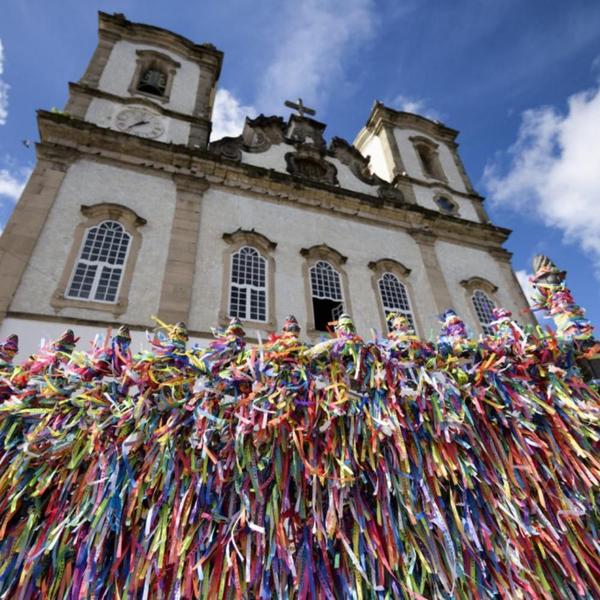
{"x":248,"y":295}
{"x":394,"y":298}
{"x":99,"y":268}
{"x":325,"y":282}
{"x":483,"y":307}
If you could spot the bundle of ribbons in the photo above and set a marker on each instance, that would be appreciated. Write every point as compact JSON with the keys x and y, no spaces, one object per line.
{"x":388,"y":468}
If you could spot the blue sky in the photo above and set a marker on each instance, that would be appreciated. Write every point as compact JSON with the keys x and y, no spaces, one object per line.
{"x":520,"y":80}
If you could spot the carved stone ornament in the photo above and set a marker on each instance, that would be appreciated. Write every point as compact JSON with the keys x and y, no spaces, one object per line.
{"x":311,"y":166}
{"x":389,"y":193}
{"x":228,"y":147}
{"x":354,"y":160}
{"x":263,"y":132}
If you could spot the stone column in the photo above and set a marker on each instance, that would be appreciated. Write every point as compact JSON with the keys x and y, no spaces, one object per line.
{"x":28,"y":219}
{"x":439,"y":288}
{"x":79,"y":102}
{"x":176,"y":292}
{"x":502,"y":257}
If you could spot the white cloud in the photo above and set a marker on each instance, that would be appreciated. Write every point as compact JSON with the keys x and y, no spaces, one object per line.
{"x":229,"y":115}
{"x":523,"y":278}
{"x":417,"y":106}
{"x":3,"y":89}
{"x":315,"y":37}
{"x":554,"y":171}
{"x":12,"y":184}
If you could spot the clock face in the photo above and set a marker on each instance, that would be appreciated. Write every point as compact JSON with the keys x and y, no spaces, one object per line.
{"x":139,"y":121}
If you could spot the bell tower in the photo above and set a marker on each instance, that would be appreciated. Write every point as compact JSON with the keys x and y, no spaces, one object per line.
{"x":149,"y":82}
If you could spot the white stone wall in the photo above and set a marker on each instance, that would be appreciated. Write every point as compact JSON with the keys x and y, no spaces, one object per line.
{"x":412,"y":163}
{"x":348,"y":180}
{"x":117,"y":78}
{"x":425,"y":196}
{"x":294,"y":228}
{"x":103,"y":113}
{"x":272,"y":158}
{"x":379,"y":165}
{"x":120,"y":68}
{"x":33,"y":332}
{"x":89,"y":183}
{"x":459,"y":263}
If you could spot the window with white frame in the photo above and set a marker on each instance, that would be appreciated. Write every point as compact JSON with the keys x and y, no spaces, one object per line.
{"x":248,"y":291}
{"x":99,"y":268}
{"x":483,"y":308}
{"x":326,"y":291}
{"x":394,"y":298}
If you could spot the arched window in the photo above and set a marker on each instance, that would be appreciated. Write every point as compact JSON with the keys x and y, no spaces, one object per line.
{"x":248,"y":291}
{"x":153,"y":81}
{"x":427,"y":151}
{"x":394,"y":298}
{"x":391,"y":283}
{"x":326,"y":291}
{"x":426,"y":157}
{"x":154,"y":75}
{"x":483,"y":306}
{"x":99,"y":267}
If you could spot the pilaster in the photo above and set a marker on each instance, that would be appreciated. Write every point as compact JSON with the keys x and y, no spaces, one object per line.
{"x":176,"y":292}
{"x":78,"y":103}
{"x":391,"y":151}
{"x":28,"y":218}
{"x":437,"y":282}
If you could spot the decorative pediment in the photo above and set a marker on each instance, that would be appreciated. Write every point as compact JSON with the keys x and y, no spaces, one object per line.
{"x":304,"y":154}
{"x":258,"y":136}
{"x":324,"y":252}
{"x":348,"y":155}
{"x":228,"y":147}
{"x":263,"y":132}
{"x":474,"y":283}
{"x":311,"y":165}
{"x":251,"y":237}
{"x":389,"y":265}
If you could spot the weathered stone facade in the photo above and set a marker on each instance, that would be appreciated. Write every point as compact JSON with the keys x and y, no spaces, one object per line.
{"x":278,"y":187}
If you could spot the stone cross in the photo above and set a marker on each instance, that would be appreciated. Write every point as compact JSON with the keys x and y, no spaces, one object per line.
{"x":302,"y":110}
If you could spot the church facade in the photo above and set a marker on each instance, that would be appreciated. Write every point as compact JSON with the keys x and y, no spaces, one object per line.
{"x":132,"y":211}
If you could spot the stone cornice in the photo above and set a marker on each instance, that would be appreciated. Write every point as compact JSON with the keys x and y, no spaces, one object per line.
{"x":190,"y":183}
{"x":381,"y":114}
{"x":79,"y":88}
{"x":438,"y":183}
{"x":116,"y":26}
{"x":60,"y":133}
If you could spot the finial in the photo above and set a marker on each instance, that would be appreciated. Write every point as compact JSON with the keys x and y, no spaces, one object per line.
{"x":401,"y":326}
{"x":345,"y":325}
{"x":235,"y":328}
{"x":291,"y":326}
{"x":453,"y":330}
{"x":9,"y":348}
{"x":123,"y":335}
{"x":65,"y":343}
{"x":179,"y":332}
{"x":545,"y":272}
